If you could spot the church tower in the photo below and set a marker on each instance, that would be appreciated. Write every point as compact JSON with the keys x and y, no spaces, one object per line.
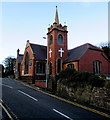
{"x":57,"y":46}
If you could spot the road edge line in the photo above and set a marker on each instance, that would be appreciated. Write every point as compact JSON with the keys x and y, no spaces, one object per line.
{"x":6,"y":111}
{"x":67,"y":101}
{"x":9,"y":110}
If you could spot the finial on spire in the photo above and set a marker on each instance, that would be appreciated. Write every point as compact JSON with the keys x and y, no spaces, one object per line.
{"x":56,"y":16}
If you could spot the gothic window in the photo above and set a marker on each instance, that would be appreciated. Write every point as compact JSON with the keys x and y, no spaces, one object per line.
{"x":51,"y":40}
{"x":50,"y":68}
{"x":70,"y":66}
{"x":40,"y":67}
{"x":26,"y":63}
{"x":59,"y":62}
{"x":96,"y":67}
{"x":60,"y":39}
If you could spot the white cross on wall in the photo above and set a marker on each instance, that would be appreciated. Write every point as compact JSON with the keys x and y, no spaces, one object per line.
{"x":50,"y":51}
{"x":61,"y":51}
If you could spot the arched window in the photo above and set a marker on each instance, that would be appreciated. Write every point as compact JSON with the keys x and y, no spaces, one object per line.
{"x":70,"y":66}
{"x":59,"y":65}
{"x":26,"y":63}
{"x":96,"y":67}
{"x":60,"y":39}
{"x":50,"y":68}
{"x":51,"y":40}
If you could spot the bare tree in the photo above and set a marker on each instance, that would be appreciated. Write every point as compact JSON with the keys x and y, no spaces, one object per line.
{"x":106,"y":47}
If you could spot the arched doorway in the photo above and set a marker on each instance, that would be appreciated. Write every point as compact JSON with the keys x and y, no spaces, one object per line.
{"x":59,"y":65}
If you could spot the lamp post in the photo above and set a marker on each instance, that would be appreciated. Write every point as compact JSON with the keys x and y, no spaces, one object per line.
{"x":47,"y":71}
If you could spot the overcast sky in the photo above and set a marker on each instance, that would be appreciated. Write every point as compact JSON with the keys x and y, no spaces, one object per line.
{"x":87,"y":22}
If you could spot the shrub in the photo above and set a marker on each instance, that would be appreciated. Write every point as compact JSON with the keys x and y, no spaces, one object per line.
{"x":83,"y":76}
{"x":65,"y":75}
{"x":71,"y":77}
{"x":96,"y":81}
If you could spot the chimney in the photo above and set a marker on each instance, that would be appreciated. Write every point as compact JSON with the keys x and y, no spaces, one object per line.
{"x":27,"y":41}
{"x":18,"y":52}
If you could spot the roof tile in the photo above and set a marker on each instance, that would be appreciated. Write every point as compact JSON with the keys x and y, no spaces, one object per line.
{"x":76,"y":53}
{"x":40,"y":51}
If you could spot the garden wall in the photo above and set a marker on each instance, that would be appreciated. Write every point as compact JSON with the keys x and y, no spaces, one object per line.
{"x":97,"y":96}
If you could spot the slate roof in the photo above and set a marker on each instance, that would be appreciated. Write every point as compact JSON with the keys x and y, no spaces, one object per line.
{"x":76,"y":53}
{"x":20,"y":57}
{"x":40,"y":51}
{"x":73,"y":55}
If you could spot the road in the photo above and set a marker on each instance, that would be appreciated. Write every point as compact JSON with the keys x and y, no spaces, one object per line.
{"x":24,"y":103}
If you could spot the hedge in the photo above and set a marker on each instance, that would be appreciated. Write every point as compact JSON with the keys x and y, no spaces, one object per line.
{"x":71,"y":77}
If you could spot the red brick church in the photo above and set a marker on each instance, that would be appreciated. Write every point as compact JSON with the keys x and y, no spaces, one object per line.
{"x":39,"y":64}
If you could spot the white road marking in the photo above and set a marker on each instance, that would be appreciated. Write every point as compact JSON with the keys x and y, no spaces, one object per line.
{"x":27,"y":95}
{"x":62,"y":114}
{"x":6,"y":111}
{"x":6,"y":85}
{"x":1,"y":100}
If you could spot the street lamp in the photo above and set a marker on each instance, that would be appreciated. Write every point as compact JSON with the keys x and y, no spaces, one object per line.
{"x":47,"y":72}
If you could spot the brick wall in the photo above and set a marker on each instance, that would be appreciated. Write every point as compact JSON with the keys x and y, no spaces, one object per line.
{"x":41,"y":84}
{"x":55,"y":31}
{"x":86,"y":62}
{"x":31,"y":71}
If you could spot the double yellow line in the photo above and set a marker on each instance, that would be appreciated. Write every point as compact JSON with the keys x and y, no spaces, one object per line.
{"x":73,"y":103}
{"x":6,"y":110}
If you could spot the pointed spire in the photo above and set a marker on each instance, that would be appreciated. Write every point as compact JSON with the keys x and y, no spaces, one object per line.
{"x":56,"y":16}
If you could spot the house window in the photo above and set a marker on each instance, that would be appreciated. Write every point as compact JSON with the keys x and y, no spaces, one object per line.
{"x":50,"y":68}
{"x":70,"y":66}
{"x":26,"y":63}
{"x":59,"y":62}
{"x":60,"y":39}
{"x":51,"y":40}
{"x":96,"y":67}
{"x":40,"y":67}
